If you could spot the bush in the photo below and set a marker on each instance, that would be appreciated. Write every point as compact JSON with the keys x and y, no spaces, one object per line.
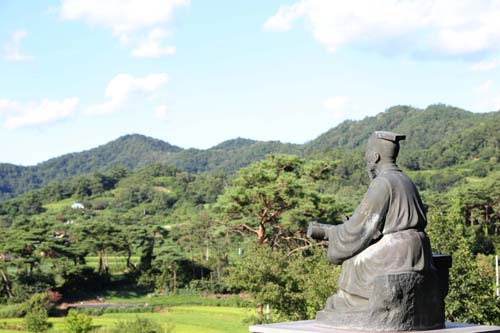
{"x":11,"y":311}
{"x":25,"y":285}
{"x":78,"y":322}
{"x":118,"y":309}
{"x":38,"y":302}
{"x":37,"y":321}
{"x":142,"y":325}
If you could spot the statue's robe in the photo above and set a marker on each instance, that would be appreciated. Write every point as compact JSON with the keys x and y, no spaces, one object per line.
{"x":385,"y":235}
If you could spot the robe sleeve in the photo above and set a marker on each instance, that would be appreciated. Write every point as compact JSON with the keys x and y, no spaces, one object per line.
{"x":353,"y":236}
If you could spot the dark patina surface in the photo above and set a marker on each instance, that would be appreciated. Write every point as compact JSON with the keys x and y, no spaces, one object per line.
{"x":389,"y":279}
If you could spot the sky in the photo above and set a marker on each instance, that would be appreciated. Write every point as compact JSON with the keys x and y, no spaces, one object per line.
{"x":76,"y":74}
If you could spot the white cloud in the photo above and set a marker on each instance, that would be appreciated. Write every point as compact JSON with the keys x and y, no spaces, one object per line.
{"x":446,"y":27}
{"x":485,"y":65}
{"x":342,"y":108}
{"x":126,"y":19}
{"x":485,"y":86}
{"x":487,"y":97}
{"x":151,"y":47}
{"x":337,"y":103}
{"x":122,"y":86}
{"x":12,"y":49}
{"x":161,"y":112}
{"x":283,"y":19}
{"x":121,"y":16}
{"x":36,"y":113}
{"x":6,"y":105}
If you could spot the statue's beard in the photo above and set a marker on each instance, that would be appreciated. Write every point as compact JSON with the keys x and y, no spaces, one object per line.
{"x":371,"y":170}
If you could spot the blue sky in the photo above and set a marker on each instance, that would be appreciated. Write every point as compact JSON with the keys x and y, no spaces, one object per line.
{"x":75,"y":74}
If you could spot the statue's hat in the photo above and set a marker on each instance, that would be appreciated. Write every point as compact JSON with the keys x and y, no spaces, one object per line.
{"x":389,"y":136}
{"x":386,"y":144}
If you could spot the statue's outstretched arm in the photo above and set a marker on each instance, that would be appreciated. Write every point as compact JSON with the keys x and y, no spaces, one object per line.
{"x":354,"y":235}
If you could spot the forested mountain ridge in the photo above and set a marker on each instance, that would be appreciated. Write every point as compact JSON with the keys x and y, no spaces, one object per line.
{"x":437,"y":137}
{"x":135,"y":151}
{"x":129,"y":151}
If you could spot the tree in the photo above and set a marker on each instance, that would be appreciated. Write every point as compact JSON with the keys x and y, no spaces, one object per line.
{"x":279,"y":194}
{"x":78,"y":322}
{"x":294,"y":285}
{"x":36,"y":308}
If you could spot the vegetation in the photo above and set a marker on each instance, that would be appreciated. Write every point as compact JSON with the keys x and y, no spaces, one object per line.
{"x":78,"y":322}
{"x":231,"y":221}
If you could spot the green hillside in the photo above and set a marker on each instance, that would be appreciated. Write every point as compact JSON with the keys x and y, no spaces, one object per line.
{"x":439,"y":136}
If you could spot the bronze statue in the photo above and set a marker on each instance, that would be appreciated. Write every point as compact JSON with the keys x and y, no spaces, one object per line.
{"x":389,"y":280}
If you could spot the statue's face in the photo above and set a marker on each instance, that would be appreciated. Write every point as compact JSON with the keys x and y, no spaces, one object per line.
{"x":371,"y":158}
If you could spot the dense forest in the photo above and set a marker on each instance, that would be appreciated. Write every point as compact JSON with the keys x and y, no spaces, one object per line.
{"x":232,"y":219}
{"x":438,"y":137}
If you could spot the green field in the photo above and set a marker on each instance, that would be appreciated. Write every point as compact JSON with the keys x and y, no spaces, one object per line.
{"x":187,"y":319}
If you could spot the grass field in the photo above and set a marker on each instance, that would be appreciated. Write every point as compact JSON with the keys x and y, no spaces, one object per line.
{"x":187,"y":319}
{"x":188,"y":313}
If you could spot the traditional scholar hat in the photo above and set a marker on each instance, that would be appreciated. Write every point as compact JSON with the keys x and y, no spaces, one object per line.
{"x":386,"y":144}
{"x":389,"y":136}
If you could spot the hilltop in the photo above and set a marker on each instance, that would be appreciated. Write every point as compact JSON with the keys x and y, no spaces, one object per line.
{"x":439,"y":136}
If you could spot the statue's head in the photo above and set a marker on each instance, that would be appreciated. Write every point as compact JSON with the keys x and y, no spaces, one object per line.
{"x":382,"y":148}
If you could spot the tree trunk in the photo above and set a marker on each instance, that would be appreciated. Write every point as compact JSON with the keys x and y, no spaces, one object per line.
{"x":99,"y":254}
{"x":261,"y":233}
{"x":106,"y":261}
{"x":192,"y":258}
{"x":259,"y":311}
{"x":174,"y":277}
{"x":6,"y":282}
{"x":129,"y":255}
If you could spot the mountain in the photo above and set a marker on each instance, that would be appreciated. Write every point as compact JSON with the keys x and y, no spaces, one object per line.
{"x":129,"y":151}
{"x":135,"y":151}
{"x":436,"y":137}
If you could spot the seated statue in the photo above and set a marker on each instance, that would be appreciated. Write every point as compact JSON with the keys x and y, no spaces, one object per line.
{"x":388,"y":280}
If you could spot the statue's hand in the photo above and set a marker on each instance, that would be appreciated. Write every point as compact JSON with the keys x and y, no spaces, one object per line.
{"x":317,"y":231}
{"x":310,"y":229}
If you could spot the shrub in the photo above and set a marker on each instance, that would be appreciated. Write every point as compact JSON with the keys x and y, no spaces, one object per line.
{"x":25,"y":285}
{"x":38,"y":302}
{"x":37,"y":321}
{"x":78,"y":322}
{"x":142,"y":325}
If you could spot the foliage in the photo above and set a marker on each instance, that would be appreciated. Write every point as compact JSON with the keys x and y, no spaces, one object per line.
{"x":37,"y":321}
{"x":38,"y":302}
{"x":78,"y":322}
{"x":36,"y":318}
{"x":296,"y":286}
{"x":470,"y":298}
{"x":142,"y":325}
{"x":278,"y":196}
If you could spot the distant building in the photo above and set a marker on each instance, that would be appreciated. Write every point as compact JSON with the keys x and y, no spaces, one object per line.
{"x":77,"y":205}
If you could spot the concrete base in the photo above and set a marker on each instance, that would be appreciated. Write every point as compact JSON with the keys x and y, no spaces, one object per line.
{"x":311,"y":326}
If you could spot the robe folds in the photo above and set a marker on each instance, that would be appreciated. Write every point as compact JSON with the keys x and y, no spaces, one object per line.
{"x":385,"y":235}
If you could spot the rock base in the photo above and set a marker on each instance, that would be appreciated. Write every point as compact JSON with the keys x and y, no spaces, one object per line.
{"x":399,"y":302}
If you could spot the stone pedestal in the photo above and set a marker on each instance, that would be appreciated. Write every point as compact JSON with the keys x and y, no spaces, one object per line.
{"x":311,"y":326}
{"x":405,"y":301}
{"x":398,"y":302}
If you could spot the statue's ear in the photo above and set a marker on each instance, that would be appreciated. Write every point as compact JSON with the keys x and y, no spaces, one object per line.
{"x":373,"y":157}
